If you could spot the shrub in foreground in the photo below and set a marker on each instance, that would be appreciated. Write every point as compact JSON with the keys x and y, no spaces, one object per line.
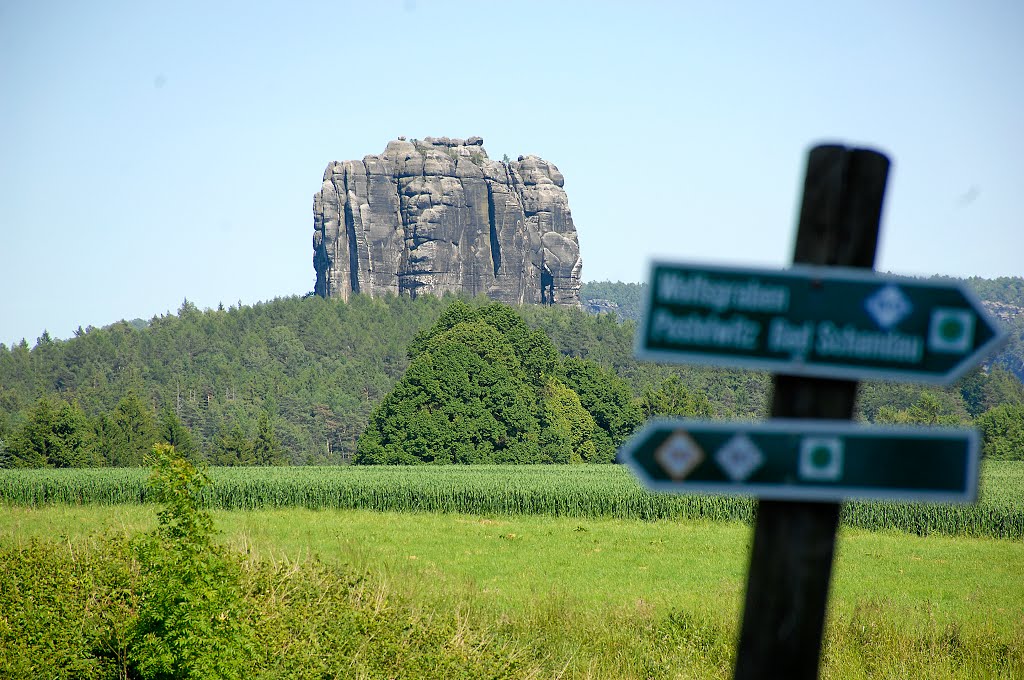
{"x":176,"y":604}
{"x":191,"y":621}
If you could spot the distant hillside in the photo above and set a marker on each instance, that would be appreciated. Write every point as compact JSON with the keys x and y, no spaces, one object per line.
{"x":295,"y":380}
{"x":1003,"y":298}
{"x":315,"y":367}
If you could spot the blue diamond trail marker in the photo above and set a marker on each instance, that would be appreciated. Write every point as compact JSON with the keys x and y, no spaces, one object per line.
{"x":806,"y":460}
{"x":829,"y":322}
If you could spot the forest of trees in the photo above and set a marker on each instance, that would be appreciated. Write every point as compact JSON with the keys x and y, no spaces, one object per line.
{"x":298,"y":381}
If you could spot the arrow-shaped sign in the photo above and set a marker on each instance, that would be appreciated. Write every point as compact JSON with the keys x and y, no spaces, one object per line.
{"x":809,"y":460}
{"x":815,"y":321}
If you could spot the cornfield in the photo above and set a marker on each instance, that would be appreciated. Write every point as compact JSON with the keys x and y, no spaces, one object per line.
{"x":567,"y":490}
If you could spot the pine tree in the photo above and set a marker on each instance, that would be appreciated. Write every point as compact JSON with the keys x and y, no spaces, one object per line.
{"x":134,"y":432}
{"x":171,"y":430}
{"x":266,"y":449}
{"x":232,"y":448}
{"x":57,"y":434}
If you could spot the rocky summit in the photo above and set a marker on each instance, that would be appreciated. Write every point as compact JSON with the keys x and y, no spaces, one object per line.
{"x":437,"y":215}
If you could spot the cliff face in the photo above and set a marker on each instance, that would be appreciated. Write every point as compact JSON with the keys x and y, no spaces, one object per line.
{"x":437,"y":215}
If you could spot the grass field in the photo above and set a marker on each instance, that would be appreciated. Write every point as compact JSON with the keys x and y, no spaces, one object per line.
{"x":539,"y":579}
{"x":610,"y":597}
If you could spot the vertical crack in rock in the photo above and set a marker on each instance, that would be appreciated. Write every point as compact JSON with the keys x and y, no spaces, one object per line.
{"x":353,"y":250}
{"x":437,"y":215}
{"x":493,"y":230}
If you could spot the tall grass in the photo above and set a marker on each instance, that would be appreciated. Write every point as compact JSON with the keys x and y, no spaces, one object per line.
{"x":567,"y":490}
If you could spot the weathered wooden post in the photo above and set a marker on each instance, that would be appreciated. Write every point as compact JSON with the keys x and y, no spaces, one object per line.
{"x":794,"y":542}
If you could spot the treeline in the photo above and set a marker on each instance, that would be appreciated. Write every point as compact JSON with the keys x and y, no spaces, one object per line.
{"x":1005,"y":289}
{"x":296,"y":380}
{"x":313,"y":369}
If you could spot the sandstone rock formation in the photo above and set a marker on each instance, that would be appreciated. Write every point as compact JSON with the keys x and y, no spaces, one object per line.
{"x":437,"y":215}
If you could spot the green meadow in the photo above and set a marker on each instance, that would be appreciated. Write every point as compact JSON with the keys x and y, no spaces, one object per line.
{"x":521,"y":595}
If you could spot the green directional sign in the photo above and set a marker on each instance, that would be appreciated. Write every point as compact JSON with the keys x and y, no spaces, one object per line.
{"x":808,"y":460}
{"x":814,"y":321}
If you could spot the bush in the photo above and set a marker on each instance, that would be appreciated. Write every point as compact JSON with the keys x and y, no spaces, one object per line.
{"x":191,"y":620}
{"x":67,"y":612}
{"x":1002,"y":432}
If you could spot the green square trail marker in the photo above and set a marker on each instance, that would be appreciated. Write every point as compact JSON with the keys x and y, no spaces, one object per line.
{"x":829,"y":322}
{"x":806,"y":460}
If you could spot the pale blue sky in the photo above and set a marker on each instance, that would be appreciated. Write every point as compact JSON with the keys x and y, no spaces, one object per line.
{"x":151,"y":152}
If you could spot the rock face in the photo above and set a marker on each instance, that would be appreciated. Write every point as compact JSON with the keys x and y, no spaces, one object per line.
{"x":437,"y":215}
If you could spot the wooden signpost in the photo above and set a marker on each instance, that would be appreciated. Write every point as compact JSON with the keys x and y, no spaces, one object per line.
{"x":820,"y":329}
{"x":794,"y":541}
